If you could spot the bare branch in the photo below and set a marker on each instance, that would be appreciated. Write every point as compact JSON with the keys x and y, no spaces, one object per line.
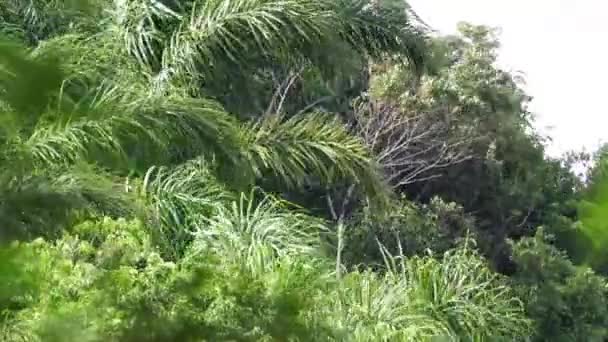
{"x":281,"y":91}
{"x":339,"y":210}
{"x":410,"y":147}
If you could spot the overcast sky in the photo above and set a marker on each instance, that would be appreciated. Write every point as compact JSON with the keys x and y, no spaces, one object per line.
{"x":561,"y":46}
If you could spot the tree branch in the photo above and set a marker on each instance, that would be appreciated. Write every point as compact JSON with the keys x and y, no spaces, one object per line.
{"x":410,"y":147}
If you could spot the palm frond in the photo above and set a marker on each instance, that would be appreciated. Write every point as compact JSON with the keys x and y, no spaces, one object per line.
{"x":41,"y":203}
{"x":376,"y":30}
{"x":25,"y":82}
{"x":461,"y":291}
{"x":372,"y":307}
{"x":36,"y":20}
{"x":311,"y":144}
{"x":255,"y":232}
{"x":141,"y":132}
{"x":422,"y":298}
{"x":212,"y":37}
{"x":180,"y":198}
{"x":93,"y":60}
{"x":139,"y":26}
{"x":227,"y":31}
{"x":71,"y":114}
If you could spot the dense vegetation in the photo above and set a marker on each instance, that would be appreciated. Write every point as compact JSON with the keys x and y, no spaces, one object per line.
{"x":274,"y":170}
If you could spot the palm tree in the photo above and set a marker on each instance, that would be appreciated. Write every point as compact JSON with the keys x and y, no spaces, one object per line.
{"x":97,"y":118}
{"x":146,"y":87}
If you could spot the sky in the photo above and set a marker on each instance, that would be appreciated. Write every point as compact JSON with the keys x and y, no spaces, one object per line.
{"x":560,"y":46}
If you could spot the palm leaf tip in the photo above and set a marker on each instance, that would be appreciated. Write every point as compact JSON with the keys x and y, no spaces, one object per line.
{"x":311,"y":144}
{"x":220,"y":35}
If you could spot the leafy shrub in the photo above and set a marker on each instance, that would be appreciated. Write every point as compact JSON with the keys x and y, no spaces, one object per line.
{"x":114,"y":287}
{"x":104,"y":281}
{"x":419,"y":229}
{"x":566,"y":302}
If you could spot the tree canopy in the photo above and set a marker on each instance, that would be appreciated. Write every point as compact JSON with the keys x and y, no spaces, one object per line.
{"x":282,"y":170}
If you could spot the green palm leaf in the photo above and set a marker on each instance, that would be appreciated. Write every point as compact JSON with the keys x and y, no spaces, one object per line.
{"x":179,"y":199}
{"x":255,"y":232}
{"x":37,"y":20}
{"x":42,"y":203}
{"x":311,"y":144}
{"x":202,"y":39}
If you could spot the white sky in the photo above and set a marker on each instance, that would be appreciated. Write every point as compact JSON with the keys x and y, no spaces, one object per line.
{"x":560,"y":45}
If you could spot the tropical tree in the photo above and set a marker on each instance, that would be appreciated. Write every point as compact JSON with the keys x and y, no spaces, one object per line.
{"x":128,"y":93}
{"x":488,"y":158}
{"x":155,"y":154}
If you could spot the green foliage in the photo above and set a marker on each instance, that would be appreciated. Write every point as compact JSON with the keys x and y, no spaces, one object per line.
{"x":257,"y":231}
{"x":37,"y":20}
{"x":508,"y":182}
{"x":179,"y":198}
{"x":454,"y":298}
{"x":113,"y":286}
{"x":40,"y":203}
{"x":106,"y":282}
{"x":305,"y":146}
{"x":592,"y":236}
{"x":411,"y":229}
{"x":567,"y":303}
{"x":22,"y":76}
{"x":128,"y":128}
{"x":222,"y":47}
{"x":146,"y":147}
{"x":585,"y":239}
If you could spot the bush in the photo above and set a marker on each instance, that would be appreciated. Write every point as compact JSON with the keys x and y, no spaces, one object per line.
{"x":419,"y":229}
{"x":566,"y":302}
{"x":105,"y":282}
{"x":114,"y":287}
